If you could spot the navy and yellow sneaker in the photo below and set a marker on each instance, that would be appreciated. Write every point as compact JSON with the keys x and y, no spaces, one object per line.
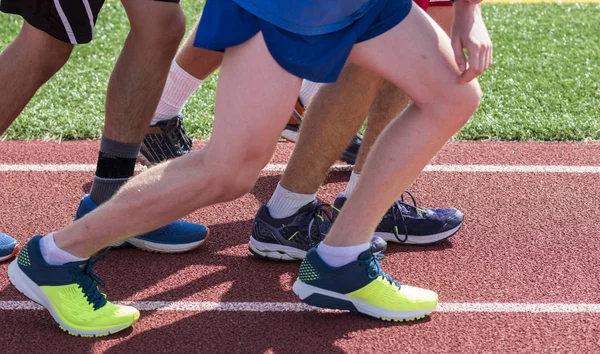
{"x":70,"y":293}
{"x":163,"y":141}
{"x":291,"y":132}
{"x":176,"y":237}
{"x":9,"y":247}
{"x":409,"y":224}
{"x":290,"y":238}
{"x":361,"y":286}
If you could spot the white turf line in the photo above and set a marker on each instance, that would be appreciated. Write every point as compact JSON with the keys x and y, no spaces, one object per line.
{"x":281,"y":168}
{"x":192,"y":306}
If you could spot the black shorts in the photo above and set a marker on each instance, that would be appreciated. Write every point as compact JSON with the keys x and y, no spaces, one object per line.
{"x":70,"y":21}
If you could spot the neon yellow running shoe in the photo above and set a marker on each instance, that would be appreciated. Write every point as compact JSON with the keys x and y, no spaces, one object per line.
{"x":70,"y":292}
{"x":361,"y":286}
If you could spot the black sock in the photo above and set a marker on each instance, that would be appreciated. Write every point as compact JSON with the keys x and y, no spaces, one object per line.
{"x":116,"y":164}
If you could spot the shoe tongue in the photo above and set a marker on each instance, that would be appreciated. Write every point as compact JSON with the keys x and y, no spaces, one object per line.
{"x":365,"y":255}
{"x":408,"y":209}
{"x":308,"y":207}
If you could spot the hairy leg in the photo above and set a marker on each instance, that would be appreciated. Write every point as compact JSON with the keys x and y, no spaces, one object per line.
{"x":27,"y":63}
{"x":139,"y":75}
{"x":335,"y":114}
{"x":247,"y":126}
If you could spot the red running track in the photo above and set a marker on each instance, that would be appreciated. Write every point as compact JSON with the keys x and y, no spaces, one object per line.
{"x":528,"y":238}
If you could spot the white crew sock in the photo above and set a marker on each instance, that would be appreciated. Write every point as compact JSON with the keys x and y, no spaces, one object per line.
{"x":351,"y":184}
{"x":54,"y":255}
{"x":179,"y":87}
{"x":308,"y":91}
{"x":284,"y":203}
{"x":337,"y":256}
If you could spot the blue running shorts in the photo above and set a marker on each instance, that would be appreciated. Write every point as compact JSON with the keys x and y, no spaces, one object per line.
{"x":318,"y":58}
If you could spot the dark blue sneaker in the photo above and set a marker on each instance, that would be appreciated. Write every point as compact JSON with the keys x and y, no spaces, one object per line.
{"x":288,"y":239}
{"x":178,"y":236}
{"x":9,"y":247}
{"x":163,"y":141}
{"x":409,"y":224}
{"x":361,"y":286}
{"x":70,"y":293}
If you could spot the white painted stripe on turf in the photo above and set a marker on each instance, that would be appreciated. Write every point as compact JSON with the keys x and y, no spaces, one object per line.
{"x":281,"y":168}
{"x":449,"y":307}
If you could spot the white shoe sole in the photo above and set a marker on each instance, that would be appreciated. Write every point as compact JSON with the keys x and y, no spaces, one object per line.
{"x":418,"y":240}
{"x":30,"y":289}
{"x":162,"y":247}
{"x":290,"y":135}
{"x":303,"y":291}
{"x":275,"y":251}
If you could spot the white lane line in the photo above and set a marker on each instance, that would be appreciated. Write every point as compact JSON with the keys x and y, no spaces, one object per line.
{"x":451,"y":307}
{"x":281,"y":168}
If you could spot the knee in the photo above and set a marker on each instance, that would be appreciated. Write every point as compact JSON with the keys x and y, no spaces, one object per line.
{"x":461,"y":102}
{"x":469,"y":97}
{"x":56,"y":56}
{"x":163,"y":29}
{"x":234,"y":176}
{"x":233,"y":182}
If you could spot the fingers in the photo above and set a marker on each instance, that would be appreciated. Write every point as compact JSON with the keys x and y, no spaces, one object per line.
{"x":474,"y":67}
{"x":480,"y":59}
{"x":459,"y":55}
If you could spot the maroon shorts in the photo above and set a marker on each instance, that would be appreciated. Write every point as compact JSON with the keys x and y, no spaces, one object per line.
{"x":424,"y":4}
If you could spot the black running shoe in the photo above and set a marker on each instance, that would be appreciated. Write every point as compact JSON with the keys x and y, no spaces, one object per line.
{"x":163,"y":141}
{"x":292,"y":131}
{"x":349,"y":156}
{"x":290,"y":238}
{"x":409,"y":224}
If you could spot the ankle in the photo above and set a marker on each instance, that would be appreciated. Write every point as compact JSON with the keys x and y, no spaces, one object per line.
{"x":337,"y":256}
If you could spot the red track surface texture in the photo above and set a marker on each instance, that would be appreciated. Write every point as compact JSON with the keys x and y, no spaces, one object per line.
{"x":528,"y":238}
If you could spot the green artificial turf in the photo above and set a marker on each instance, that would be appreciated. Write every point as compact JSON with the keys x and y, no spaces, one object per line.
{"x":544,"y":84}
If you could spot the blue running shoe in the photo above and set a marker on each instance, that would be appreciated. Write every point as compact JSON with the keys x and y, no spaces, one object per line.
{"x":9,"y":247}
{"x":177,"y":237}
{"x":70,"y":293}
{"x":288,"y":239}
{"x":361,"y":286}
{"x":409,"y":224}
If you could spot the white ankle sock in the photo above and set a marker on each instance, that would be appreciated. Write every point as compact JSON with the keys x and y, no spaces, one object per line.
{"x":351,"y":184}
{"x":54,"y":255}
{"x":179,"y":87}
{"x":337,"y":256}
{"x":308,"y":91}
{"x":284,"y":203}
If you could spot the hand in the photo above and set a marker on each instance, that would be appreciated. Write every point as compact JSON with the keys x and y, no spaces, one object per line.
{"x":469,"y":32}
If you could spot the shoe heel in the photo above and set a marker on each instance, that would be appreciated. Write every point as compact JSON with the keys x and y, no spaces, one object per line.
{"x":328,"y":302}
{"x":25,"y":285}
{"x":309,"y":296}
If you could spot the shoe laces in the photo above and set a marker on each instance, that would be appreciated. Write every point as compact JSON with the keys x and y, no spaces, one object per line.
{"x":177,"y":134}
{"x":398,"y":209}
{"x":322,"y":219}
{"x":89,"y":281}
{"x":375,"y":270}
